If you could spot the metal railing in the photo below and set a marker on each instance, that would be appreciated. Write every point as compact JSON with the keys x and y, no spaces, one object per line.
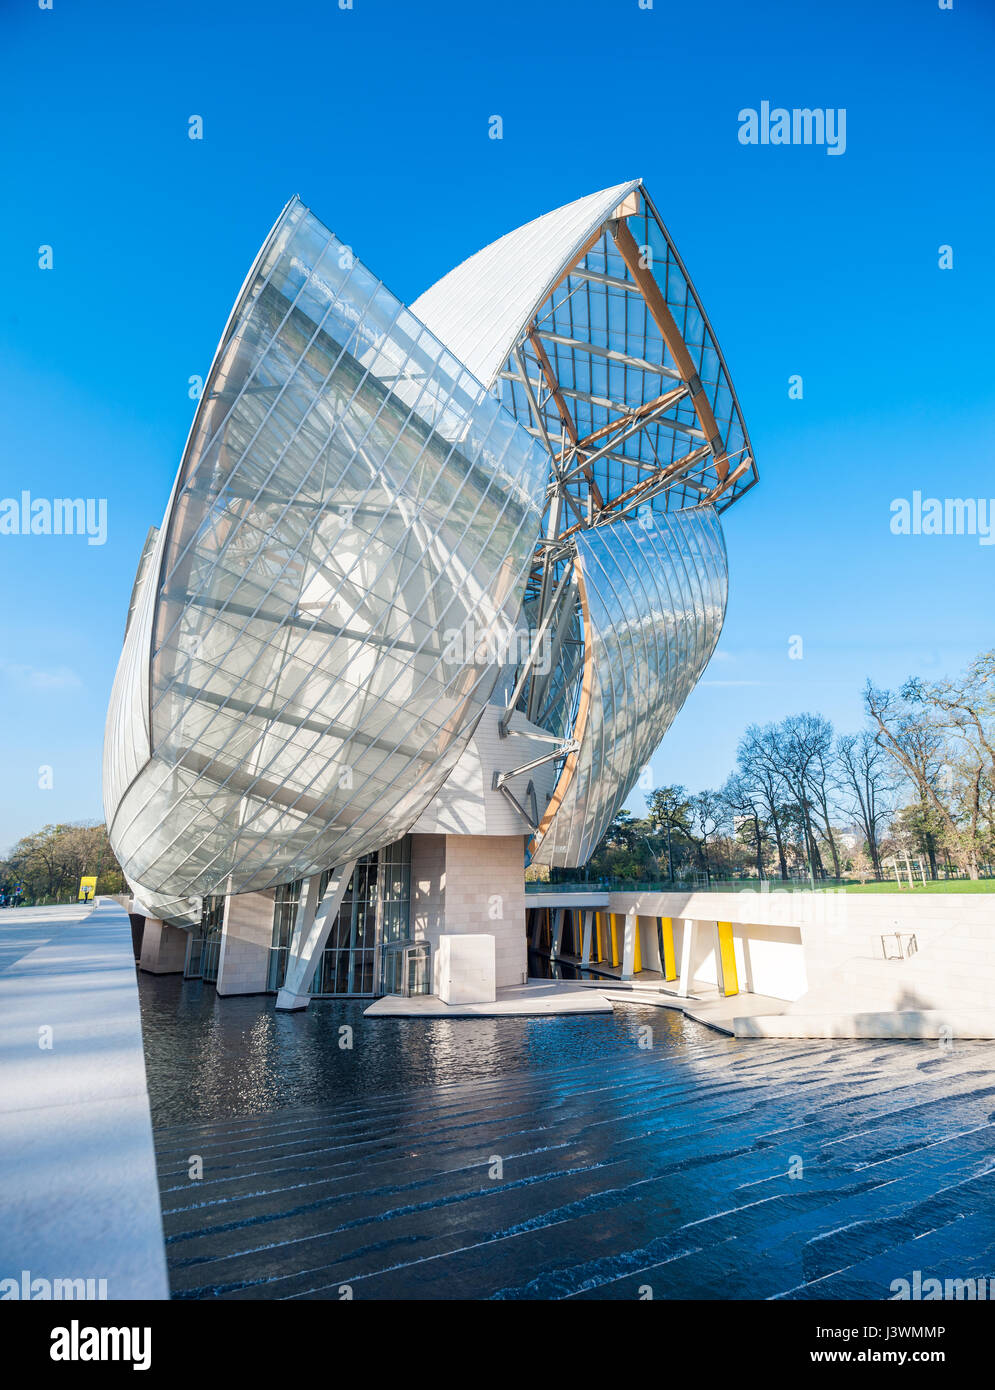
{"x":663,"y":885}
{"x":905,"y":945}
{"x":406,"y":968}
{"x":795,"y":883}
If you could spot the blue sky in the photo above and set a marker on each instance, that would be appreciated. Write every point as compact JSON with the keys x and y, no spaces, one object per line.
{"x":377,"y":116}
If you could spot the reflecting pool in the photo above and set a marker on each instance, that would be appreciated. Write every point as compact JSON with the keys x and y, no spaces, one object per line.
{"x":308,"y":1156}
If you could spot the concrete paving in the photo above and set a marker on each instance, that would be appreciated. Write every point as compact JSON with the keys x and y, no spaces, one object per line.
{"x":548,"y":997}
{"x":706,"y":1005}
{"x":538,"y":998}
{"x":77,"y":1163}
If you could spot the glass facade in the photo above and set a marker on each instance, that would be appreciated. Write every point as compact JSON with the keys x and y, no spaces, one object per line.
{"x":617,"y":369}
{"x":603,"y":346}
{"x":395,"y":880}
{"x":407,"y":968}
{"x":289,"y":696}
{"x":653,"y":596}
{"x":361,"y":529}
{"x":204,"y":944}
{"x":375,"y":906}
{"x":178,"y":912}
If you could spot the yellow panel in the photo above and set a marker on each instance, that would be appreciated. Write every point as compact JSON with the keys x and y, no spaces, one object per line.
{"x":727,"y":953}
{"x":611,"y":919}
{"x":637,"y":960}
{"x":669,"y":954}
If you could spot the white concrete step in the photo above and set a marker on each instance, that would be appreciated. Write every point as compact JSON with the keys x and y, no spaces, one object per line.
{"x":940,"y":1024}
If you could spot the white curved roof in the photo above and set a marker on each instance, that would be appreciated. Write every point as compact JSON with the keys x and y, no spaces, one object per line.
{"x":479,"y":308}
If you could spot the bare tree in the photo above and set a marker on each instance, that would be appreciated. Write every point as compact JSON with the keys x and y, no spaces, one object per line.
{"x":914,"y":737}
{"x":746,"y":802}
{"x":968,"y":701}
{"x":867,"y":779}
{"x":757,"y":761}
{"x":709,"y":815}
{"x":823,"y":783}
{"x":797,"y":751}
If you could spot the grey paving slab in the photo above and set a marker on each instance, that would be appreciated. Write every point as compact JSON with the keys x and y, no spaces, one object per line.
{"x":77,"y":1165}
{"x":537,"y":997}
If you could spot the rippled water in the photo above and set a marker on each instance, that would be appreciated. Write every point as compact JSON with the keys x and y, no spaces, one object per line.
{"x":557,"y":1158}
{"x":209,"y":1058}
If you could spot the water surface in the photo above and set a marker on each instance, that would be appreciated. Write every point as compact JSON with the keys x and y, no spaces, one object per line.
{"x":574,"y":1157}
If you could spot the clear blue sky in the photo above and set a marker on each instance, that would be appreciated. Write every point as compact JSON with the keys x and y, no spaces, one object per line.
{"x":807,"y":263}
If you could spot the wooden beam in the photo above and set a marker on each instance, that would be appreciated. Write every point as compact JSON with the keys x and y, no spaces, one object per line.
{"x":546,"y":367}
{"x":658,"y":403}
{"x":664,"y":320}
{"x":728,"y":481}
{"x":672,"y":470}
{"x":569,"y":769}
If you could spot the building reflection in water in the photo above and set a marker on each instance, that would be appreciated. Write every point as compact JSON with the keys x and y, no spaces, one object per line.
{"x":209,"y":1058}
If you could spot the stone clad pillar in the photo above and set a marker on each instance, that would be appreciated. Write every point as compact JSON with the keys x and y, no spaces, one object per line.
{"x":246,"y":938}
{"x":164,"y":948}
{"x":472,"y":883}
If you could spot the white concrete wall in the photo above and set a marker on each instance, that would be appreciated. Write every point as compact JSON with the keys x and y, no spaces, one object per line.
{"x":823,"y":951}
{"x":704,"y":951}
{"x":467,"y":803}
{"x":770,"y":959}
{"x":649,"y":944}
{"x":247,"y":935}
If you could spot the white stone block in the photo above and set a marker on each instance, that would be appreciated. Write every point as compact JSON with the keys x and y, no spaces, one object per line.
{"x":465,"y":968}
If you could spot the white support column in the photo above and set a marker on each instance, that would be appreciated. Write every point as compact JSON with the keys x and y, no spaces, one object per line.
{"x":311,"y":927}
{"x":556,"y":945}
{"x":720,"y":970}
{"x":687,"y":956}
{"x":629,"y":945}
{"x":586,"y":932}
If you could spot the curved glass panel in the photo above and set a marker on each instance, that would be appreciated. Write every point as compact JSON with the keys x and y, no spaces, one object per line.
{"x":175,"y":912}
{"x":349,"y":499}
{"x":654,"y":596}
{"x":598,"y":339}
{"x":127,"y":748}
